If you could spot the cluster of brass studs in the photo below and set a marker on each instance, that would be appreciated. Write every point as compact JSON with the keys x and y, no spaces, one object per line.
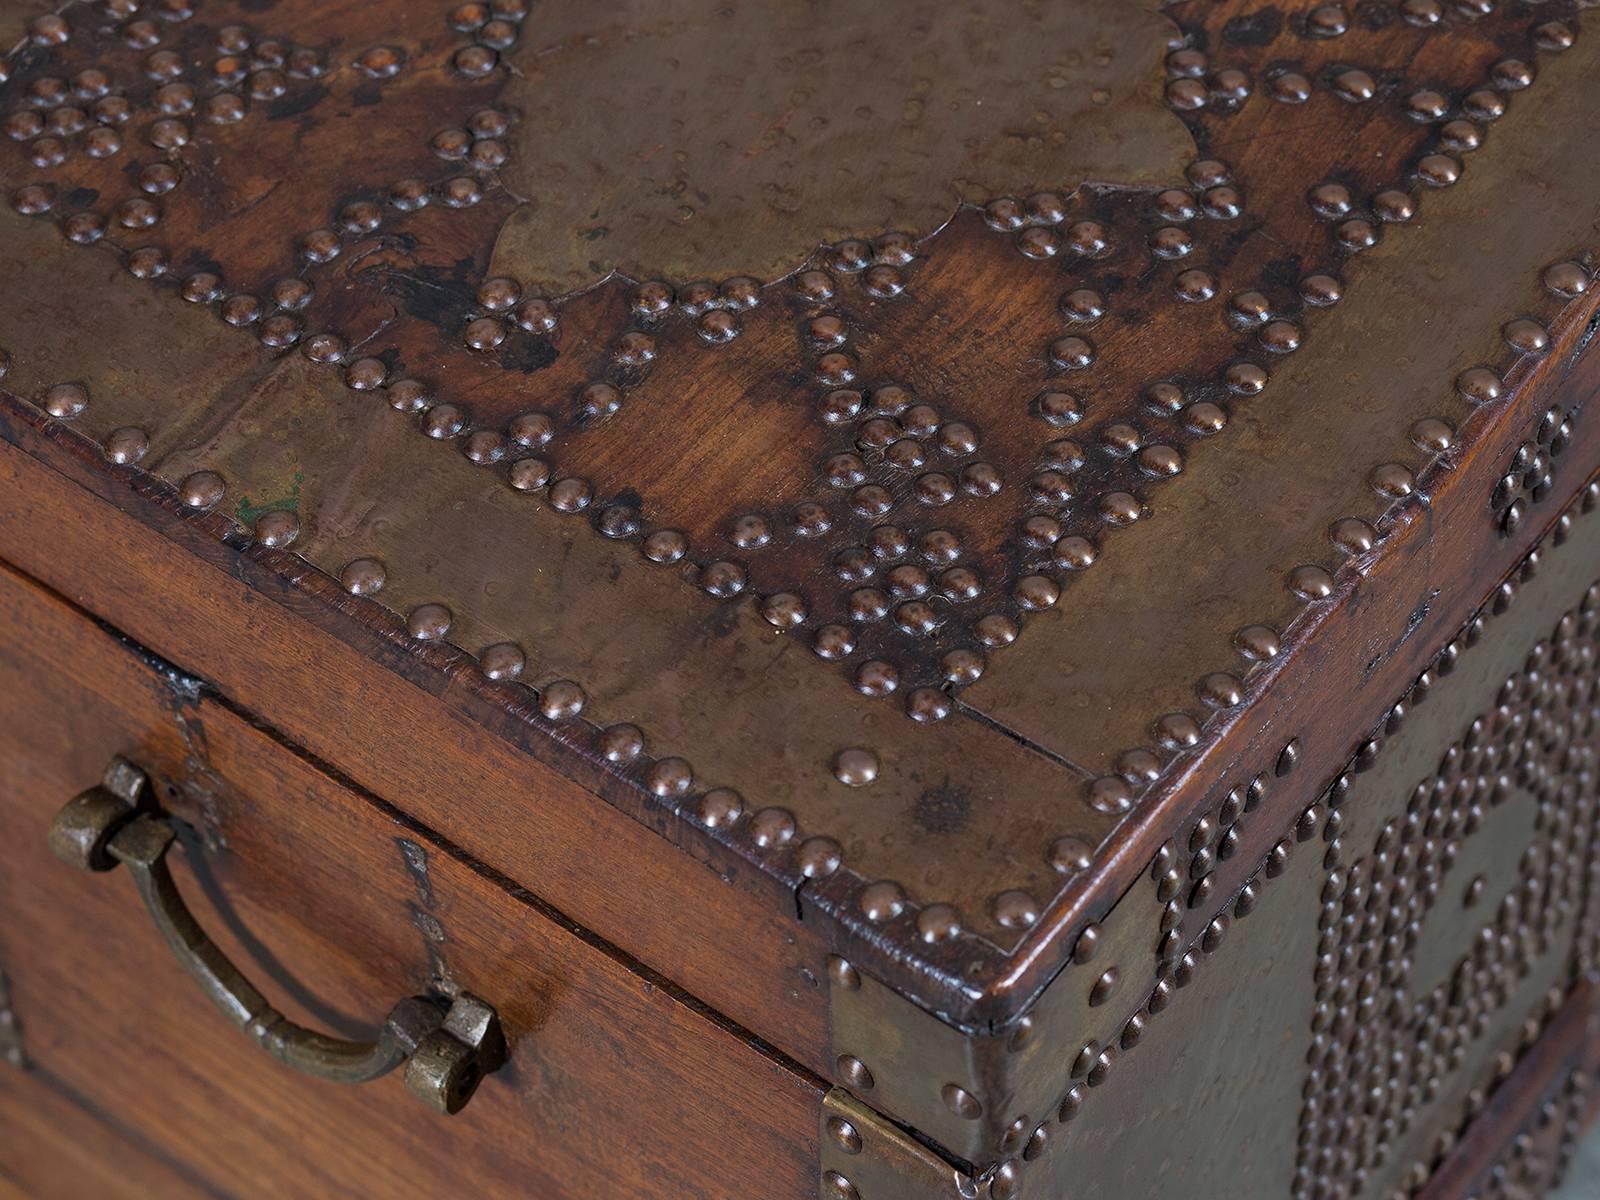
{"x":1186,"y":878}
{"x":897,"y":458}
{"x":923,"y":604}
{"x":1381,"y":1052}
{"x":624,"y":749}
{"x":1094,"y":1062}
{"x":505,"y":311}
{"x":1526,"y":480}
{"x":1193,"y":83}
{"x":492,"y":27}
{"x":1540,"y":734}
{"x":1214,"y":196}
{"x":1041,"y":229}
{"x":478,"y":144}
{"x":1529,"y":475}
{"x":1186,"y":871}
{"x":1534,"y":1163}
{"x":920,"y":604}
{"x":161,"y":96}
{"x":925,"y":571}
{"x":151,"y":93}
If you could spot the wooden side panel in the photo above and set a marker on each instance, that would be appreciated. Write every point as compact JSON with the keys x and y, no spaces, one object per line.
{"x":376,"y":713}
{"x":617,"y":1084}
{"x":53,"y":1148}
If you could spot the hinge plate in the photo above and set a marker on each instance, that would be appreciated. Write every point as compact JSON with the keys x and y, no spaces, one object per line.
{"x":866,"y":1157}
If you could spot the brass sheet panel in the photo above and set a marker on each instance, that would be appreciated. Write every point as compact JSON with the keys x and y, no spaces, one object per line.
{"x":1199,"y":1104}
{"x":971,"y":811}
{"x":697,"y":139}
{"x":1161,"y":607}
{"x":865,"y":1157}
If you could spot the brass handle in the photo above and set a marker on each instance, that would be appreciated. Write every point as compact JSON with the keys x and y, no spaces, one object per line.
{"x":446,"y":1051}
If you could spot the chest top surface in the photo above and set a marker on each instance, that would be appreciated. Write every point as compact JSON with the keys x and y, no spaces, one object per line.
{"x":898,"y":439}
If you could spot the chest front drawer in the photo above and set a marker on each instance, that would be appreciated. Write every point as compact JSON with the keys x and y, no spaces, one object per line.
{"x":336,"y":908}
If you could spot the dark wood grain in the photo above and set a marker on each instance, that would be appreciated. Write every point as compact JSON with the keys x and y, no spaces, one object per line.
{"x":614,"y":1081}
{"x":57,"y":1148}
{"x":318,"y":677}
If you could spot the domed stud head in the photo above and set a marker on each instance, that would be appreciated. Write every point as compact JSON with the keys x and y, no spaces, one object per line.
{"x":201,"y":490}
{"x":66,"y":400}
{"x":277,"y":528}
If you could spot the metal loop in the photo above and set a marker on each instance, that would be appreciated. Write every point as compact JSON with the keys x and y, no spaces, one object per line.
{"x":447,"y":1052}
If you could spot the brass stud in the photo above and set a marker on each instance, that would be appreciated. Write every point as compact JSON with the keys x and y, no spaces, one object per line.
{"x":1392,"y":480}
{"x":1311,"y":582}
{"x":502,"y":661}
{"x":720,"y":808}
{"x":844,"y":1135}
{"x":961,"y":1102}
{"x":844,"y":974}
{"x":853,"y":1073}
{"x":620,"y":744}
{"x":1527,"y":336}
{"x":938,"y":923}
{"x":1177,"y":731}
{"x":363,"y":576}
{"x":819,"y":857}
{"x":1070,"y":855}
{"x":203,"y":489}
{"x":563,"y":700}
{"x":1433,"y":435}
{"x":1288,"y":758}
{"x":428,"y":622}
{"x":276,"y":529}
{"x":1258,"y":642}
{"x":772,"y":828}
{"x":1104,"y":987}
{"x":882,"y":901}
{"x":1220,"y":690}
{"x":1015,"y":910}
{"x":1353,"y":536}
{"x":66,"y":400}
{"x":1087,"y":944}
{"x":1110,"y":794}
{"x":1568,"y":280}
{"x":855,"y":767}
{"x":127,"y":445}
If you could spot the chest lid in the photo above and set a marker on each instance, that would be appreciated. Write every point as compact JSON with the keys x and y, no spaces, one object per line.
{"x":909,"y":457}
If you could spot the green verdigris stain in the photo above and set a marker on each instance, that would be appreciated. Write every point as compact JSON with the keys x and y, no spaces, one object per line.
{"x":248,"y":510}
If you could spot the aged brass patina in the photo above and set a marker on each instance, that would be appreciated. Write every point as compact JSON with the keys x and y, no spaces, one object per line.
{"x":865,"y":1157}
{"x":287,"y":434}
{"x":698,"y":139}
{"x":1021,"y":598}
{"x":446,"y":1052}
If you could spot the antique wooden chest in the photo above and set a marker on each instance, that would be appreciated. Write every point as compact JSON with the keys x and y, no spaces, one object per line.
{"x":979,"y":600}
